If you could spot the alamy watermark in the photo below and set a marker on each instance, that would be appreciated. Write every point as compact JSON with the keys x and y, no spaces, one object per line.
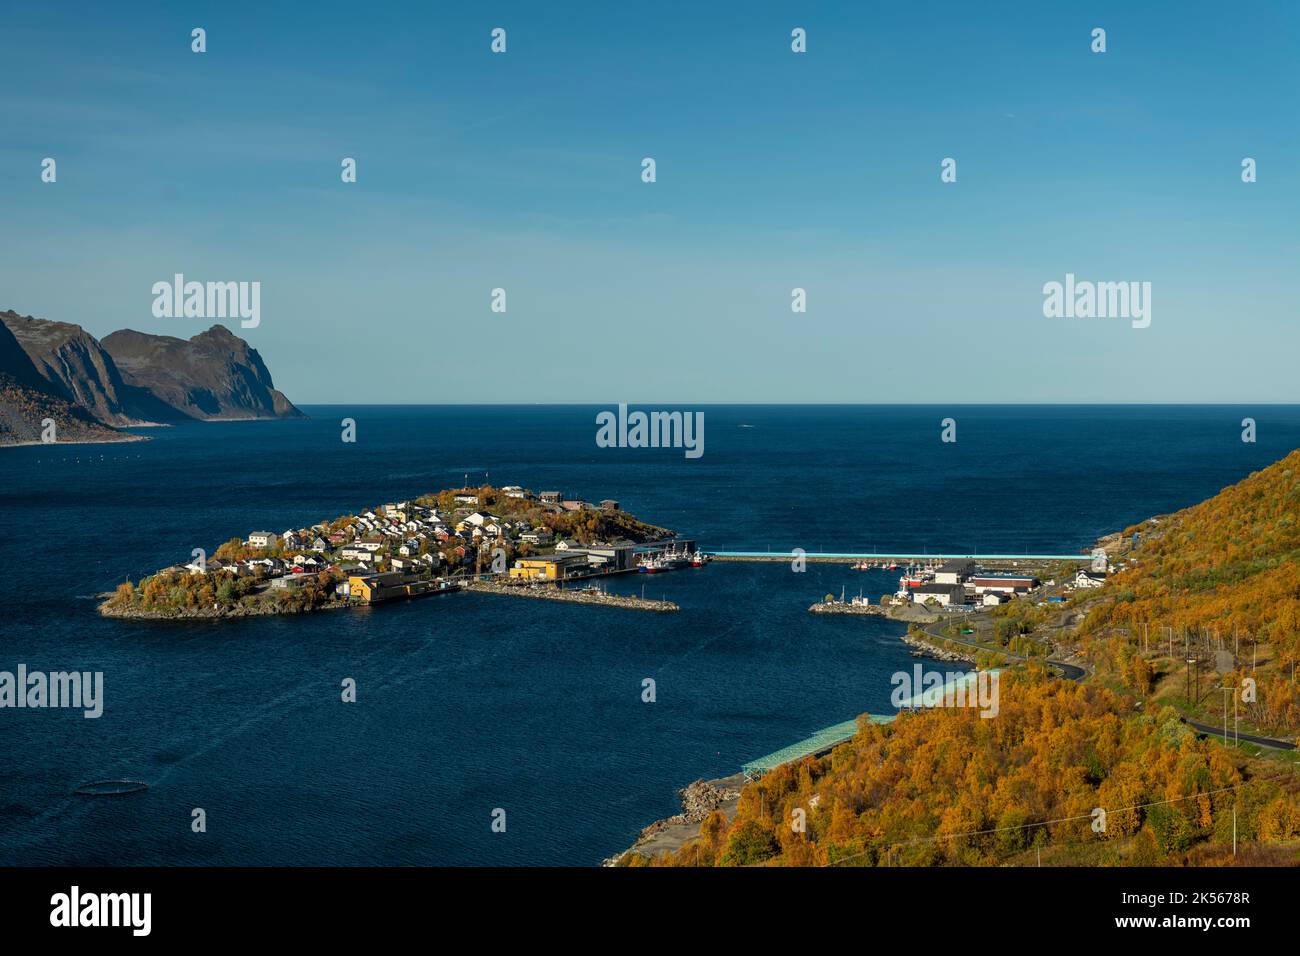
{"x":208,"y":300}
{"x":37,"y":689}
{"x":76,"y":909}
{"x":1098,"y":300}
{"x":651,"y":430}
{"x":929,"y":688}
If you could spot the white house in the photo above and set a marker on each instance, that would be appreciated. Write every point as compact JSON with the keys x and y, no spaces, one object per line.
{"x":947,"y":595}
{"x":263,"y":539}
{"x":1089,"y":579}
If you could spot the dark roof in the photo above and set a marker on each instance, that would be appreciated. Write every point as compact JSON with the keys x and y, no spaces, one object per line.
{"x":949,"y":589}
{"x":951,"y":566}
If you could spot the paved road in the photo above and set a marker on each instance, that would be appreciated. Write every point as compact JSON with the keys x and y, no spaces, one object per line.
{"x":1075,"y":672}
{"x":1068,"y":671}
{"x":1261,"y":741}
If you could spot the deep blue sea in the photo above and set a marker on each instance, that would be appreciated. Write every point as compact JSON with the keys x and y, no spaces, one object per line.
{"x":472,"y":702}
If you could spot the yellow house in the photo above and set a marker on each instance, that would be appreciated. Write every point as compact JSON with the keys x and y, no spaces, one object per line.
{"x":548,"y":567}
{"x":362,"y":588}
{"x":371,"y":588}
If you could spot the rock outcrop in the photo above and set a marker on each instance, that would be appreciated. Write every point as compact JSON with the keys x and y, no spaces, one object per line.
{"x":28,"y":400}
{"x":213,"y":375}
{"x":73,"y":360}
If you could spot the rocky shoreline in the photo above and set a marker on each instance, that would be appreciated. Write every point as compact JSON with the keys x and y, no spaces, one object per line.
{"x":261,"y":609}
{"x":936,"y":651}
{"x":699,"y":799}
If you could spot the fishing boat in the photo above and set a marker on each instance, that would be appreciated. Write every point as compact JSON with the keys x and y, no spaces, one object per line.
{"x":913,"y":577}
{"x":699,"y":559}
{"x":672,"y":558}
{"x":863,"y":566}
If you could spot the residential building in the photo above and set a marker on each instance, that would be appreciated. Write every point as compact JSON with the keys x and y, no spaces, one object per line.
{"x":1089,"y":579}
{"x":946,"y":595}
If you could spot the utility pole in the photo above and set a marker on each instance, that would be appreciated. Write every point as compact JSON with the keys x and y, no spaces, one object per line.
{"x":1234,"y":829}
{"x":1225,"y":714}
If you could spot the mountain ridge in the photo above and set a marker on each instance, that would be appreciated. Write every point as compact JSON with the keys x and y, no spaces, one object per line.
{"x":128,"y":378}
{"x":29,"y":402}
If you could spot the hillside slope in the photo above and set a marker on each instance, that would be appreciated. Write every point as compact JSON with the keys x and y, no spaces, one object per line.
{"x":1230,"y":562}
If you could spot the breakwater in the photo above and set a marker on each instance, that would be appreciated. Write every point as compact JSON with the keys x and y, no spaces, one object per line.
{"x":574,"y":596}
{"x":844,"y":607}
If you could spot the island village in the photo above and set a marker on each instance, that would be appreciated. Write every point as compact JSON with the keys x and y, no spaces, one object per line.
{"x":507,"y":540}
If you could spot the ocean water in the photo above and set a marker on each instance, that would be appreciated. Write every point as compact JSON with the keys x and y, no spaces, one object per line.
{"x":468,"y":703}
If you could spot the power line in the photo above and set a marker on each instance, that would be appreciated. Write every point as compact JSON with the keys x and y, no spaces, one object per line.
{"x":1044,"y":823}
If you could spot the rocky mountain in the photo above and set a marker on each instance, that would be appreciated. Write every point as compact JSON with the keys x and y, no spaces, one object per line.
{"x":213,"y":375}
{"x":28,"y":399}
{"x":58,"y":370}
{"x":73,"y":361}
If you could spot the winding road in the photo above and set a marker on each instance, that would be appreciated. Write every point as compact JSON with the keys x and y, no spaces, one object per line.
{"x":1076,"y":673}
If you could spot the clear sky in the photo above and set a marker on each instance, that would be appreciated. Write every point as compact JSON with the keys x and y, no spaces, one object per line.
{"x":775,"y":170}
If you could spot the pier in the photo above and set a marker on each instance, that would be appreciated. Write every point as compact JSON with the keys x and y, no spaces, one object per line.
{"x":823,"y":741}
{"x":828,"y":738}
{"x":903,"y":557}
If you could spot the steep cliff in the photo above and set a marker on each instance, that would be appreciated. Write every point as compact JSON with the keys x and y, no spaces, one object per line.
{"x":213,"y":375}
{"x":28,"y":400}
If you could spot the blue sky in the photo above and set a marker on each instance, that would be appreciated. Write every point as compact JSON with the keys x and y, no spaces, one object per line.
{"x":775,"y":170}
